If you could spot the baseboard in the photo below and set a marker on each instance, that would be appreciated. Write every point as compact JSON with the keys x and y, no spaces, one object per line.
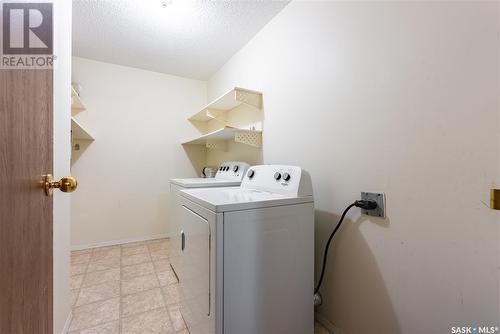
{"x":327,"y":324}
{"x":67,"y":323}
{"x":118,"y":242}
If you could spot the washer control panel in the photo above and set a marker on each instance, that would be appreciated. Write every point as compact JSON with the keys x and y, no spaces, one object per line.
{"x":286,"y":180}
{"x":232,"y":170}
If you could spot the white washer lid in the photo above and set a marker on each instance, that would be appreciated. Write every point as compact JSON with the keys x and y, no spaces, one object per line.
{"x":235,"y":199}
{"x":204,"y":182}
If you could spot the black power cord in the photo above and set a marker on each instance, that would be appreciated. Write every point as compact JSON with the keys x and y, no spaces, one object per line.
{"x":363,"y":204}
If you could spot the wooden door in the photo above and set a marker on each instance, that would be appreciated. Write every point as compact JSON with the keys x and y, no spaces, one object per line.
{"x":25,"y":211}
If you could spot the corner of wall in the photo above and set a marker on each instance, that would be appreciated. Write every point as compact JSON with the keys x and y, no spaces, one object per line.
{"x":61,"y":164}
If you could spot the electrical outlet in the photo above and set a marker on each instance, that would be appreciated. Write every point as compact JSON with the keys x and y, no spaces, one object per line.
{"x":377,"y":197}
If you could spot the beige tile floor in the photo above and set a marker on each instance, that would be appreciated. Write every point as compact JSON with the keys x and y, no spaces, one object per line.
{"x":127,"y":289}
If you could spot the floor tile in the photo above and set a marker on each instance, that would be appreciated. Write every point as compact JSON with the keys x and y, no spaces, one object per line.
{"x":91,"y":315}
{"x":176,"y":318}
{"x":73,"y":296}
{"x":186,"y":314}
{"x":135,"y":259}
{"x":116,"y":289}
{"x":172,"y":294}
{"x":154,"y":245}
{"x":160,"y":254}
{"x":167,"y":278}
{"x":76,"y":281}
{"x":109,"y":328}
{"x":139,"y":249}
{"x":162,"y":265}
{"x":103,"y":264}
{"x":106,"y":253}
{"x":103,"y":276}
{"x":138,"y":284}
{"x":80,"y":258}
{"x":155,"y":321}
{"x":137,"y":270}
{"x":142,"y":302}
{"x":78,"y":269}
{"x":98,"y":292}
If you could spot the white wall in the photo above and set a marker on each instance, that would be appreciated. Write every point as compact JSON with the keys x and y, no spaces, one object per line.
{"x":138,"y":119}
{"x":399,"y":97}
{"x":62,"y":153}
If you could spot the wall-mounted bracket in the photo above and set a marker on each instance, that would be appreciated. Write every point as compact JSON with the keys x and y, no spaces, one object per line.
{"x":248,"y":97}
{"x":251,"y":138}
{"x":214,"y":144}
{"x":219,"y":115}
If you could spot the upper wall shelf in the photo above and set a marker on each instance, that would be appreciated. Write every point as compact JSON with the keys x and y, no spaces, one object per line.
{"x":218,"y":138}
{"x":78,"y":132}
{"x":230,"y":100}
{"x":76,"y":103}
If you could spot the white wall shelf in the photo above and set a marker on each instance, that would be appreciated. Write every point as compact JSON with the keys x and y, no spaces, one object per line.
{"x":219,"y":110}
{"x":76,"y":103}
{"x":80,"y":137}
{"x":230,"y":100}
{"x":218,"y":138}
{"x":79,"y":132}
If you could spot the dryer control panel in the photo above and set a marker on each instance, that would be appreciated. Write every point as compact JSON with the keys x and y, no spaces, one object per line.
{"x":281,"y":179}
{"x":232,"y":170}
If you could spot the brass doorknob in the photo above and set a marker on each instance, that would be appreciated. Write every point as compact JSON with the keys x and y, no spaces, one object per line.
{"x":66,"y":184}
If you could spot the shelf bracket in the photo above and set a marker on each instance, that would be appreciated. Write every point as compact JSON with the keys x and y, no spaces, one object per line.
{"x":219,"y":115}
{"x":220,"y":145}
{"x":251,"y":138}
{"x":249,"y":98}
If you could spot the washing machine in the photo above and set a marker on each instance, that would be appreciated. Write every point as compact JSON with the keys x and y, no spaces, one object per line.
{"x":246,"y":257}
{"x":229,"y":174}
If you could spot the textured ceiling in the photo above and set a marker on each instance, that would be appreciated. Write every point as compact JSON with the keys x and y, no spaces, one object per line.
{"x":187,"y":38}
